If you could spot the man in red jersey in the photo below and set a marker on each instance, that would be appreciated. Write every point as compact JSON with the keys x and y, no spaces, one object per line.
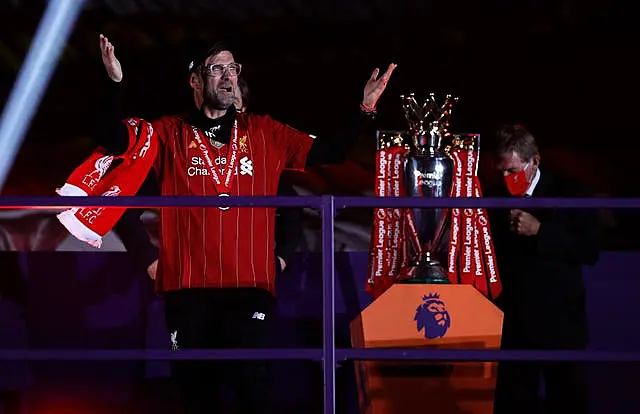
{"x":217,"y":265}
{"x":136,"y":240}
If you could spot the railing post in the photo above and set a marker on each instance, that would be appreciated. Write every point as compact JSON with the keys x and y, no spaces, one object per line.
{"x":44,"y":52}
{"x":328,"y":305}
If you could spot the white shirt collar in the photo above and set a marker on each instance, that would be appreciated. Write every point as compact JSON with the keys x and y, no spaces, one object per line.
{"x":533,"y":184}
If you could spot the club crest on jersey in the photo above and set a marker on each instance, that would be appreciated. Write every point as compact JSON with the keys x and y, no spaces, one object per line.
{"x":243,"y":144}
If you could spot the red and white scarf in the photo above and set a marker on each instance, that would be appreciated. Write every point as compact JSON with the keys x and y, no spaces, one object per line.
{"x":93,"y":178}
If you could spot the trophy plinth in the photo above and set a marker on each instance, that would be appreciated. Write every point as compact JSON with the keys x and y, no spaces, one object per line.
{"x":428,"y":172}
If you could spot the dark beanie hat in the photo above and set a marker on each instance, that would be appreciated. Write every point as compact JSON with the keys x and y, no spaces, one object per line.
{"x":199,"y":54}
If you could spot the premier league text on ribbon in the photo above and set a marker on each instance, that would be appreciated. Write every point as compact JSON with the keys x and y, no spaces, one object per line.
{"x":409,"y":245}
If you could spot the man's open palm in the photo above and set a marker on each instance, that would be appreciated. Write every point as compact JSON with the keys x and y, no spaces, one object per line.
{"x":111,"y":63}
{"x":376,"y":85}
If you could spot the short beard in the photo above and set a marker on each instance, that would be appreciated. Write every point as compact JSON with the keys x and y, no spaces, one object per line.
{"x":213,"y":101}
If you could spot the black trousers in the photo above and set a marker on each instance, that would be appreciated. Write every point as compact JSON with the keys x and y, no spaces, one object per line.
{"x":518,"y":386}
{"x":221,"y":318}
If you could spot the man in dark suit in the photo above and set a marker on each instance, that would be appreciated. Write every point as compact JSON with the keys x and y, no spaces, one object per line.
{"x":540,"y":257}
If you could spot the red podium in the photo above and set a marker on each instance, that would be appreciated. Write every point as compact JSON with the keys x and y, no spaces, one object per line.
{"x":427,"y":316}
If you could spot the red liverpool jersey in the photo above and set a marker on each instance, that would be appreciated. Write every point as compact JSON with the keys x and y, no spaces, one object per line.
{"x":222,"y":247}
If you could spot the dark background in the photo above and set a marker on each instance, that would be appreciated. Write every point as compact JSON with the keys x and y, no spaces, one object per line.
{"x":566,"y":69}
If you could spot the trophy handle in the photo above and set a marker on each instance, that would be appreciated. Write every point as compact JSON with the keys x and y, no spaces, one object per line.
{"x":414,"y":106}
{"x":412,"y":113}
{"x":445,"y":112}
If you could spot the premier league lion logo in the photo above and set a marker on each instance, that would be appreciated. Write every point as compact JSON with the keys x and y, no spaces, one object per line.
{"x":432,"y":316}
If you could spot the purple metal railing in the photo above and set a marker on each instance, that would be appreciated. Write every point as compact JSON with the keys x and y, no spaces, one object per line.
{"x":317,"y":354}
{"x":10,"y":202}
{"x":328,"y":206}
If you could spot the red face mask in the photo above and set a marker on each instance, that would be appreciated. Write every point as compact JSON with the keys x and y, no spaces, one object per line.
{"x":517,"y":182}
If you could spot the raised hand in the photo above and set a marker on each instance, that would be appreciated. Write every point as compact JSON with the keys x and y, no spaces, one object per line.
{"x":375,"y":86}
{"x":111,"y":63}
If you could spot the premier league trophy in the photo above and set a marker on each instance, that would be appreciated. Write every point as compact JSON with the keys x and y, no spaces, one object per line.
{"x":430,"y":245}
{"x":428,"y":172}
